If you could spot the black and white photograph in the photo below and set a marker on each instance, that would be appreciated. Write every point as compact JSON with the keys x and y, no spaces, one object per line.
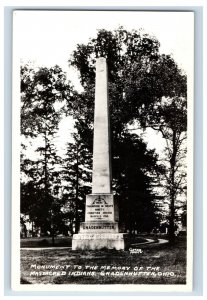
{"x":102,"y":178}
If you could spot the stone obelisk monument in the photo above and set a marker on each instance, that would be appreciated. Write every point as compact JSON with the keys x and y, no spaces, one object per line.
{"x":100,"y":229}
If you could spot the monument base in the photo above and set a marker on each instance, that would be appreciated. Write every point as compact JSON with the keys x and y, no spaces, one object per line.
{"x":94,"y":241}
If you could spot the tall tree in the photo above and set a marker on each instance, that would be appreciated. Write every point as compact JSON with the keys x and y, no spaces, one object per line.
{"x":170,"y":118}
{"x":76,"y":175}
{"x":42,"y":91}
{"x":135,"y":174}
{"x":167,"y":113}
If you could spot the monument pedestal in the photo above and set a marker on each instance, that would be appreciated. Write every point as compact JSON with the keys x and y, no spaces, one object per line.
{"x":100,"y":229}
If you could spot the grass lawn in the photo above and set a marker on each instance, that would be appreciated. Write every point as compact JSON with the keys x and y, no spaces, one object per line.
{"x":46,"y":242}
{"x":156,"y":264}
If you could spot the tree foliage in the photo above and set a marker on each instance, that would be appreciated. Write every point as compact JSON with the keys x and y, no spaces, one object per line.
{"x":41,"y":93}
{"x":41,"y":90}
{"x":76,"y":180}
{"x":135,"y":172}
{"x":138,"y":75}
{"x":173,"y":127}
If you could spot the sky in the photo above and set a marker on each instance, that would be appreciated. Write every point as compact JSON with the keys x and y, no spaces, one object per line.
{"x":48,"y":38}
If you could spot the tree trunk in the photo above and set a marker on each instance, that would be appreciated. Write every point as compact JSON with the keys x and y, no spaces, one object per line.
{"x":77,"y":189}
{"x":171,"y":232}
